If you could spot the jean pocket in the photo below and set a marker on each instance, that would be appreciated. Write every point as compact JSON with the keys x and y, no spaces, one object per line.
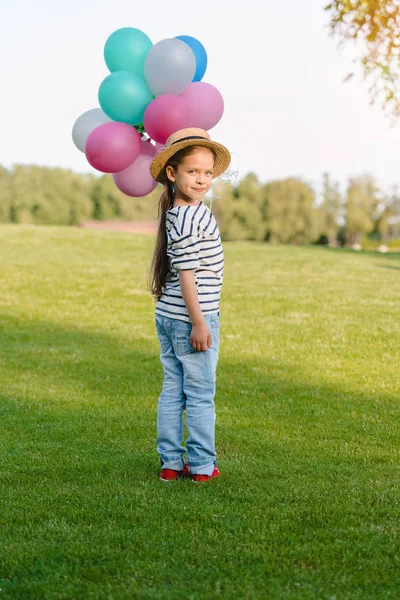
{"x":182,"y":345}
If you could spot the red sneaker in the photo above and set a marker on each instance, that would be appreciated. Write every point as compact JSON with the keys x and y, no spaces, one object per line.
{"x":170,"y":475}
{"x":204,"y":478}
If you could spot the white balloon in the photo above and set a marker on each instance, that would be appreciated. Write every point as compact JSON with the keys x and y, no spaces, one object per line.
{"x":169,"y":67}
{"x":85,"y":124}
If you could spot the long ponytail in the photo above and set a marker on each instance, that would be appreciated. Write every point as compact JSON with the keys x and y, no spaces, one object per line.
{"x":159,"y":264}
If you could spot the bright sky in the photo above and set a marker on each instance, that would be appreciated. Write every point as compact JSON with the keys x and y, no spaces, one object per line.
{"x":287,"y":110}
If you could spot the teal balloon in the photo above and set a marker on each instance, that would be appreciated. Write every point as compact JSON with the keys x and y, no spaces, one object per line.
{"x":126,"y":50}
{"x":124,"y":96}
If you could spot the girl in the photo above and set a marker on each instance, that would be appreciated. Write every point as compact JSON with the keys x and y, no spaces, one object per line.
{"x":186,"y":279}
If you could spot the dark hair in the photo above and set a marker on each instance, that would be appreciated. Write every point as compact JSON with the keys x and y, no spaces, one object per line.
{"x":159,"y":264}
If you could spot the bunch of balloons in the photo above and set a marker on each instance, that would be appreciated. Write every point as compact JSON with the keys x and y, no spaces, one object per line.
{"x":151,"y":92}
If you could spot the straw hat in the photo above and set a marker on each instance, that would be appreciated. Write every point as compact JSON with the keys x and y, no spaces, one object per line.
{"x":192,"y":136}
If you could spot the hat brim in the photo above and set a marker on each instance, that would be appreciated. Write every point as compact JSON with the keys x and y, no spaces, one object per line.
{"x":222,"y":157}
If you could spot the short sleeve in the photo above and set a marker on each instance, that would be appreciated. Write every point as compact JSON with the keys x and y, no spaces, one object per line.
{"x":184,"y":241}
{"x":184,"y":252}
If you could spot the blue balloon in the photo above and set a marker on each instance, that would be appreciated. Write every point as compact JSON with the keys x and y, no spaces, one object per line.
{"x":200,"y":55}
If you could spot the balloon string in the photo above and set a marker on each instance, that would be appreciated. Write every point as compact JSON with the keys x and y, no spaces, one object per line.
{"x":231,"y":175}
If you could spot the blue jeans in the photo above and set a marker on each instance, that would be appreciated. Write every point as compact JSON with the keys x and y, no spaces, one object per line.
{"x":189,"y":384}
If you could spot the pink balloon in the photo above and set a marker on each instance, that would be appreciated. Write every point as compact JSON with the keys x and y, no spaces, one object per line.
{"x":112,"y":147}
{"x":165,"y":115}
{"x":206,"y":104}
{"x":136,"y":179}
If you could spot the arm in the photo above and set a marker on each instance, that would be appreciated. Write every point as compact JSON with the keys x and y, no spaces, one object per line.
{"x":200,"y":336}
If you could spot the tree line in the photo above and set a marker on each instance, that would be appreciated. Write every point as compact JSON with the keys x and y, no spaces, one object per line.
{"x":285,"y":211}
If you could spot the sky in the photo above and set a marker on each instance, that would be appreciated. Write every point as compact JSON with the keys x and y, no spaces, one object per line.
{"x":287,"y":112}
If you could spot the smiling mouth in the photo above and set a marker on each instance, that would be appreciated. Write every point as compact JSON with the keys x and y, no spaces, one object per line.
{"x":199,"y":189}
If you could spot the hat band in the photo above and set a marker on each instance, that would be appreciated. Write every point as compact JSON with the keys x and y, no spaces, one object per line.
{"x":190,"y":137}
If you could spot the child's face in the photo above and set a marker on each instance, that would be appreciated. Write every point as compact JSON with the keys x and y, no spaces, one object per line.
{"x":193,"y":177}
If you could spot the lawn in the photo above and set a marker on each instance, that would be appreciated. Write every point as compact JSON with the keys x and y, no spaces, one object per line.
{"x":308,"y":420}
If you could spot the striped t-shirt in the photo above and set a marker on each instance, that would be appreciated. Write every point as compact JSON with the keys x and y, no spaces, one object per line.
{"x":194,"y":242}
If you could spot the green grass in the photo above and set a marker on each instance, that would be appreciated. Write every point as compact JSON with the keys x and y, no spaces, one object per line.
{"x":307,"y":427}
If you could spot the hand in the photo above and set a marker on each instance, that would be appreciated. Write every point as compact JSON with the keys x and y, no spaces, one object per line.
{"x":200,"y":337}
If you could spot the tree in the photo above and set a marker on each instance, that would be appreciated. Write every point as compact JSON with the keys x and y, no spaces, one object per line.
{"x":249,"y":188}
{"x":237,"y":209}
{"x":387,"y":224}
{"x":330,"y":210}
{"x":247,"y":208}
{"x":361,"y":206}
{"x":222,"y":208}
{"x":291,"y":215}
{"x":376,"y":24}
